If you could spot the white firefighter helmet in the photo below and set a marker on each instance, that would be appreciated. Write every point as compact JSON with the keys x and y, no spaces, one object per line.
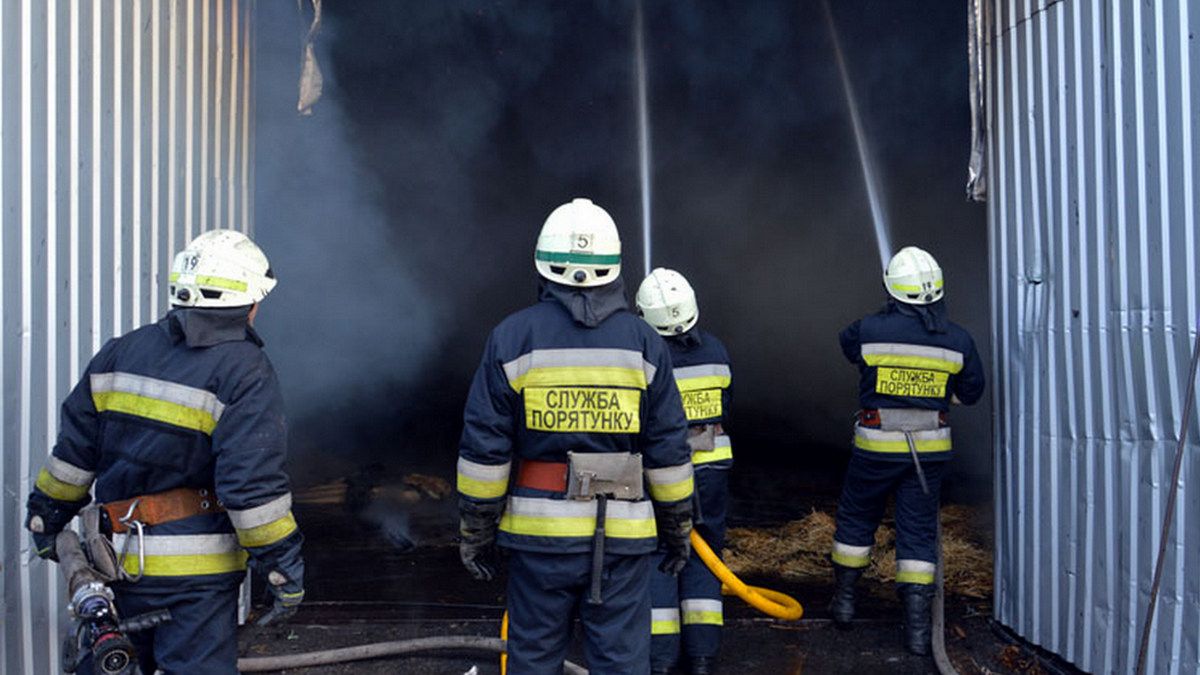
{"x":579,"y":245}
{"x":667,"y":302}
{"x":914,"y":277}
{"x":220,"y":268}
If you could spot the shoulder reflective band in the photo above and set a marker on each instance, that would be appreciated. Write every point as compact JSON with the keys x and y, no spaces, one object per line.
{"x":577,"y":258}
{"x":722,"y":450}
{"x":214,"y":282}
{"x":702,"y":612}
{"x":912,"y":356}
{"x":671,"y":484}
{"x":851,"y":556}
{"x":184,"y":554}
{"x":159,"y":400}
{"x":704,"y":376}
{"x":58,"y":489}
{"x":538,"y":517}
{"x":664,"y":621}
{"x":586,"y":410}
{"x":483,"y":481}
{"x":875,"y":440}
{"x":911,"y":382}
{"x":915,"y":572}
{"x":584,"y":367}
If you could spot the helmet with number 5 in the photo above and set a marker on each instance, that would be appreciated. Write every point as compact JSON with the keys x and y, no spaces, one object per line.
{"x":220,"y":268}
{"x":667,"y":302}
{"x":579,"y":246}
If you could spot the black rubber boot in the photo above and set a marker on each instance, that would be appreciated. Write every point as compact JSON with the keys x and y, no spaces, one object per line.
{"x":918,"y":617}
{"x":702,"y":665}
{"x":842,"y":604}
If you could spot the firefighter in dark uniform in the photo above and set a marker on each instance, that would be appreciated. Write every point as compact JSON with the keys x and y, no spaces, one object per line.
{"x":913,"y":362}
{"x":180,"y":426}
{"x":688,"y":609}
{"x":577,"y":392}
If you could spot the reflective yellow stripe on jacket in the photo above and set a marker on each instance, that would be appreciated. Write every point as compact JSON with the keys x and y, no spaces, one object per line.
{"x":483,"y":481}
{"x":876,"y":440}
{"x":264,"y":524}
{"x":159,"y":400}
{"x":64,"y":481}
{"x":541,"y":517}
{"x":580,"y":368}
{"x":722,"y":450}
{"x":904,"y":355}
{"x":671,"y":484}
{"x":184,"y":554}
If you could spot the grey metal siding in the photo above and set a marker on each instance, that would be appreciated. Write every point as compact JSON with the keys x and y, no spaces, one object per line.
{"x":1091,"y":108}
{"x":125,"y":127}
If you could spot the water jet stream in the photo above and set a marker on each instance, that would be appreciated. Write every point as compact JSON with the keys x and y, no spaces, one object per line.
{"x":882,"y":236}
{"x":639,"y":55}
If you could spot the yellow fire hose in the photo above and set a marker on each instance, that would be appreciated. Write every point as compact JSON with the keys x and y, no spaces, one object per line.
{"x":769,"y":602}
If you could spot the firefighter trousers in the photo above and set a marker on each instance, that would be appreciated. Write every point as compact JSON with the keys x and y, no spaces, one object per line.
{"x":547,"y":591}
{"x":686,"y":610}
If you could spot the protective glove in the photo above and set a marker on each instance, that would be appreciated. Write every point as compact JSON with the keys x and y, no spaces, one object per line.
{"x":46,"y":517}
{"x":288,"y":596}
{"x":674,"y":534}
{"x":477,"y":524}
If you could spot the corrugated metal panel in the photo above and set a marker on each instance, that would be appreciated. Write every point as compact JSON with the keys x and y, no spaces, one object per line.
{"x":125,"y":127}
{"x":1093,"y":251}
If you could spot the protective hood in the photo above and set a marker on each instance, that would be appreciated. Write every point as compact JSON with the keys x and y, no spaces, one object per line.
{"x":207,"y":327}
{"x":934,"y":315}
{"x":588,"y":306}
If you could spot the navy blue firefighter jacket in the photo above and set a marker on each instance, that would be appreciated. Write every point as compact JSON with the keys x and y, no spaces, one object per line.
{"x":189,"y":401}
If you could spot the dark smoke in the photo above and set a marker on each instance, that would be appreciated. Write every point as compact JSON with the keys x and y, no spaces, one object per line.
{"x":402,"y":215}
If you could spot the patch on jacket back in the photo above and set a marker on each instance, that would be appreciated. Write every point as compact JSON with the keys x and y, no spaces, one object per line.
{"x":911,"y":382}
{"x":583,"y":410}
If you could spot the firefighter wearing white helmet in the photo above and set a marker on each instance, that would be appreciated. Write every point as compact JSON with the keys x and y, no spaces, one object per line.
{"x":579,"y":246}
{"x":687,"y":611}
{"x":912,"y":362}
{"x":572,"y":387}
{"x":180,"y":423}
{"x":914,"y":277}
{"x":220,"y":268}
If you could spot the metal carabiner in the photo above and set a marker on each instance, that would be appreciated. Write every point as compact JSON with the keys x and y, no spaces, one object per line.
{"x":129,"y":524}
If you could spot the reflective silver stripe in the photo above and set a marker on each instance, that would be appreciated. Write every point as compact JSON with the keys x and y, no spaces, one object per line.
{"x":722,"y":442}
{"x":921,"y":351}
{"x":484,"y":472}
{"x":244,"y":519}
{"x":665,"y":614}
{"x":68,"y":473}
{"x":161,"y":390}
{"x":853,"y":551}
{"x":669,"y":475}
{"x":872,"y":434}
{"x":701,"y":605}
{"x":581,"y":357}
{"x":919,"y":566}
{"x":571,"y":508}
{"x":702,"y":370}
{"x":181,"y":544}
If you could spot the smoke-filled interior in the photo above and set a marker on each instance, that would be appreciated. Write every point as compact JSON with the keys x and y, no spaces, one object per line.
{"x":400,"y":216}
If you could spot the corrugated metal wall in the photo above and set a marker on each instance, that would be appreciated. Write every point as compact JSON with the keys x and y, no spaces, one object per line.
{"x":1092,"y":108}
{"x":125,"y":127}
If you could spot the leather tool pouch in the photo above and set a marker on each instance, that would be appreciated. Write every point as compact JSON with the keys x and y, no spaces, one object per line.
{"x":97,"y":545}
{"x":617,"y":475}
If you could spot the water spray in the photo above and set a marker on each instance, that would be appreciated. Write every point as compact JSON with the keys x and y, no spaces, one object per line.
{"x":882,"y":237}
{"x":639,"y":56}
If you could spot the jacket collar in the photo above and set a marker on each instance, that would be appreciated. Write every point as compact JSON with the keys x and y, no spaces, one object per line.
{"x":588,"y":306}
{"x":207,"y":327}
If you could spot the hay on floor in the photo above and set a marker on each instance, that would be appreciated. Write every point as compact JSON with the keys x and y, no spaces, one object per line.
{"x":799,"y":551}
